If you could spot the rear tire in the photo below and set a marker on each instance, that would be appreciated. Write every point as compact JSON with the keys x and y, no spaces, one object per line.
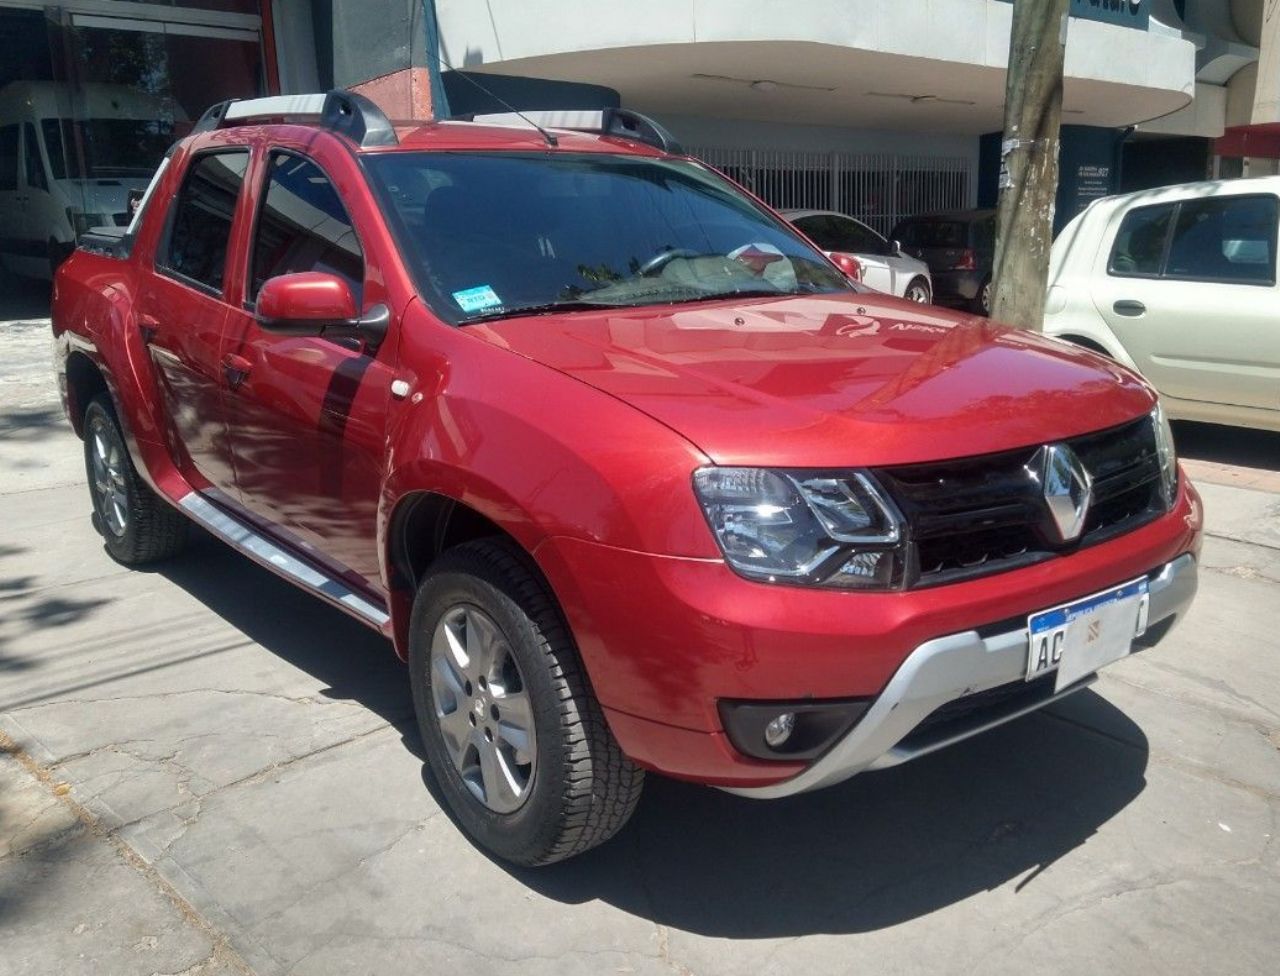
{"x":918,"y":291}
{"x":512,"y":731}
{"x":137,"y":526}
{"x":982,"y":302}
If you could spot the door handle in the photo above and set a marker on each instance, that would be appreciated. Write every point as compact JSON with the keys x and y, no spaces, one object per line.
{"x":1129,"y":307}
{"x":236,"y":367}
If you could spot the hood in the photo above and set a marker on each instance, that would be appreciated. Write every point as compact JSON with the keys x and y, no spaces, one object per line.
{"x":833,"y":380}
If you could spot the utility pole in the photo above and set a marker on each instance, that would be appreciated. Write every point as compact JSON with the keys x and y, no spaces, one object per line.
{"x":1029,"y":162}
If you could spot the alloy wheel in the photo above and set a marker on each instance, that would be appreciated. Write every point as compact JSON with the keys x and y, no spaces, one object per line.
{"x":109,"y":486}
{"x":483,"y":708}
{"x":917,"y":291}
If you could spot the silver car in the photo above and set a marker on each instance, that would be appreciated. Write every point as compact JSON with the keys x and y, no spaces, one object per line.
{"x":884,"y":266}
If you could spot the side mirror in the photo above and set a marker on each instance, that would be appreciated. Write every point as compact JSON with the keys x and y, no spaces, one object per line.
{"x":895,"y":248}
{"x":314,"y":303}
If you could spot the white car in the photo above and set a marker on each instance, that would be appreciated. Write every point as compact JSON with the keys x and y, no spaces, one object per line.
{"x":1180,"y":283}
{"x":70,"y":161}
{"x":884,"y":266}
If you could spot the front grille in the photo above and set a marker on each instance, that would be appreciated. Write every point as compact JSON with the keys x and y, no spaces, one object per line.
{"x":976,"y":516}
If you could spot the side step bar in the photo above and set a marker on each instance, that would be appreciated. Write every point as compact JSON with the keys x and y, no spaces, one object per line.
{"x":260,"y":549}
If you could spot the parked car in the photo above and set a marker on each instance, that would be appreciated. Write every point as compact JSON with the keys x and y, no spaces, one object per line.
{"x":881,"y":263}
{"x":68,"y":165}
{"x":1180,"y":284}
{"x":628,"y":473}
{"x":960,"y":248}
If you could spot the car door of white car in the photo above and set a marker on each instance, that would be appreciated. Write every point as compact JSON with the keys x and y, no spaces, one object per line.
{"x":871,"y":250}
{"x":1189,"y":288}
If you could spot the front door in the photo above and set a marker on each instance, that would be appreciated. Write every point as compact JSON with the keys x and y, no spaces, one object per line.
{"x":308,"y":414}
{"x":1190,"y":290}
{"x":184,"y":310}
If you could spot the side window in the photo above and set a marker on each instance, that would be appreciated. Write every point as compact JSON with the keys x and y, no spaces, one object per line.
{"x":53,"y":130}
{"x":8,"y":157}
{"x":1139,"y":244}
{"x":303,"y":226}
{"x":202,"y":217}
{"x":31,"y":154}
{"x":1225,"y":239}
{"x":817,"y":229}
{"x":859,"y":239}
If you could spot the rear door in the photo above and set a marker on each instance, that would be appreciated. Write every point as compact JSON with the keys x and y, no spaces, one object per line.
{"x":184,"y":309}
{"x":1190,"y":289}
{"x":307,"y":414}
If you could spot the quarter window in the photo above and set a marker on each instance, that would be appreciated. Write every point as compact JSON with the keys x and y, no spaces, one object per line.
{"x":303,"y":226}
{"x":203,"y":216}
{"x":1139,"y":247}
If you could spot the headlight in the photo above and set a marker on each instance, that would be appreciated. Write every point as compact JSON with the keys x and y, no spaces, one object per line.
{"x":819,"y":528}
{"x":1167,"y":456}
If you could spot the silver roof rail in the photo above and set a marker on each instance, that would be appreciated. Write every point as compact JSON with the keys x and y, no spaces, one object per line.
{"x":620,"y":122}
{"x":344,"y":112}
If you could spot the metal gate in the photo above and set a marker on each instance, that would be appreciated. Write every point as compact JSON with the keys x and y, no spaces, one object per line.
{"x":877,"y":188}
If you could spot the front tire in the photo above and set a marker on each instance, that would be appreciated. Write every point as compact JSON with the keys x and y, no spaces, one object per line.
{"x":137,"y":526}
{"x":982,"y":304}
{"x":514,"y":735}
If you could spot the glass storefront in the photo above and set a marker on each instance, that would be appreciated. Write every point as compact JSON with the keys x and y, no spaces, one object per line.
{"x":92,"y":93}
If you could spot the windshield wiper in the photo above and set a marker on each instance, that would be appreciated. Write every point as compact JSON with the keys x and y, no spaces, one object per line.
{"x":545,"y":308}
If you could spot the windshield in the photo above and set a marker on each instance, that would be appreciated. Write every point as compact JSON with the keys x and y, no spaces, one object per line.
{"x":98,"y":148}
{"x":491,"y":235}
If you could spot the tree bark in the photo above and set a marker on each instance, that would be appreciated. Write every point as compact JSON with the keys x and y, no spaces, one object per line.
{"x":1029,"y":162}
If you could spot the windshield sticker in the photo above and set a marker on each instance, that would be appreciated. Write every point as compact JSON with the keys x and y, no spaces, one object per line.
{"x":476,"y":299}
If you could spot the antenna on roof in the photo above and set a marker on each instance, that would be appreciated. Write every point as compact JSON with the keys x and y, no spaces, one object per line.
{"x":548,"y":136}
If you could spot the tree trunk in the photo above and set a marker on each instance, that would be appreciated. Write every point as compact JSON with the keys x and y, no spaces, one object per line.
{"x":1029,"y":162}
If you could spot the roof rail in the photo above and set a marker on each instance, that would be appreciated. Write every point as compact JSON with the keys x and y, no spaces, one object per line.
{"x":621,"y":122}
{"x":344,"y":112}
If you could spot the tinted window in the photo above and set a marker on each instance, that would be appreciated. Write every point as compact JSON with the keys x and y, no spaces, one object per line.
{"x":8,"y":157}
{"x":1225,"y":239}
{"x":491,"y":234}
{"x":1139,"y":244}
{"x":53,"y":146}
{"x":858,"y":238}
{"x":933,"y":233}
{"x":31,"y":154}
{"x":303,"y":226}
{"x":202,"y":217}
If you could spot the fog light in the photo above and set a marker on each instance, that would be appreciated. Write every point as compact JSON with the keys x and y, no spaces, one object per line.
{"x":777,"y":732}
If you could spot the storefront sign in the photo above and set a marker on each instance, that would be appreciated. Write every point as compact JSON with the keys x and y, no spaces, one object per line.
{"x":1126,"y":13}
{"x":1092,"y":182}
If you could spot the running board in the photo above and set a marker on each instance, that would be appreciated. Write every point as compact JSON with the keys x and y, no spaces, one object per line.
{"x":260,"y":549}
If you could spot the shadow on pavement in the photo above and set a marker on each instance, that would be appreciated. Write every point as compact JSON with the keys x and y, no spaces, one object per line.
{"x":23,"y":298}
{"x":1228,"y":445}
{"x":875,"y":851}
{"x":354,"y":662}
{"x":881,"y":849}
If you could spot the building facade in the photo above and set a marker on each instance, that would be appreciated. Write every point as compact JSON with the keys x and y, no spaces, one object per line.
{"x":881,"y":108}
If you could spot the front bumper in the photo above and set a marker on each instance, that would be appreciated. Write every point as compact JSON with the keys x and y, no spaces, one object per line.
{"x":665,"y":639}
{"x":951,"y":668}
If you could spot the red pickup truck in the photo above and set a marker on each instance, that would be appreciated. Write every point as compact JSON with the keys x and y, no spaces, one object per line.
{"x":627,"y":471}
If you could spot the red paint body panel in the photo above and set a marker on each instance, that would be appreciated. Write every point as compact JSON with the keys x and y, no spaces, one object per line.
{"x":835,"y":380}
{"x":578,"y":435}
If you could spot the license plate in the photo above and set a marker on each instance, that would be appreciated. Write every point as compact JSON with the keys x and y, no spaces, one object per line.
{"x":1080,"y":637}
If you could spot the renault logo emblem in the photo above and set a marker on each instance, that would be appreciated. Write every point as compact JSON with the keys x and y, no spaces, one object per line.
{"x":1066,"y":486}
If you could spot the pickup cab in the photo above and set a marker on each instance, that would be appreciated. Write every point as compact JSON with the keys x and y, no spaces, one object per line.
{"x":630,"y":474}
